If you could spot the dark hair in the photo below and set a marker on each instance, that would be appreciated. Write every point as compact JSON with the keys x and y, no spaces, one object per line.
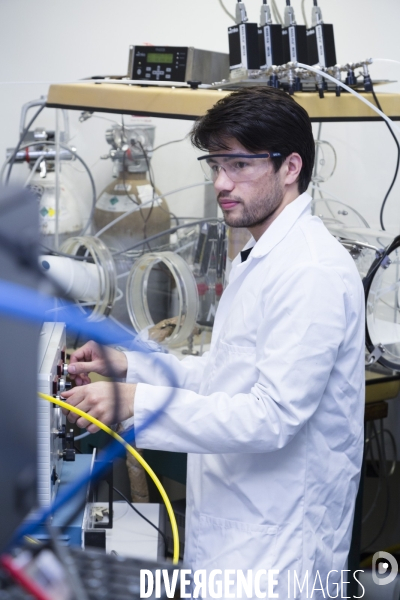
{"x":259,"y":118}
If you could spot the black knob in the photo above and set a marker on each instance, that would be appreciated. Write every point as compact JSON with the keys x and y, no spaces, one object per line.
{"x":69,"y":454}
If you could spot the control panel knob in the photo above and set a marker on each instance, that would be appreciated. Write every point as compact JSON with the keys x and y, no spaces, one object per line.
{"x":62,"y":384}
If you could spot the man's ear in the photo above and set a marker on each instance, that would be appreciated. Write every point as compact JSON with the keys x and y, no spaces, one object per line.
{"x":293,"y":165}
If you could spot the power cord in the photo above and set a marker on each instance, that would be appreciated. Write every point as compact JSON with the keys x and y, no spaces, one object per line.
{"x":164,"y":537}
{"x":397,"y":162}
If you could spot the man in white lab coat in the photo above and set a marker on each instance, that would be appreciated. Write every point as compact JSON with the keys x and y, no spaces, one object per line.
{"x":272,"y":416}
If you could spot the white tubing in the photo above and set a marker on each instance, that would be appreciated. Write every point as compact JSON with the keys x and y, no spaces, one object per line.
{"x":82,"y":435}
{"x":107,"y":281}
{"x":389,"y":121}
{"x":80,"y":280}
{"x":389,"y":60}
{"x":137,"y":207}
{"x":32,"y":172}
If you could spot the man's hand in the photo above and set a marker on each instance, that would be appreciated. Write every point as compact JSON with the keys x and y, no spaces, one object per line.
{"x":93,"y":358}
{"x":109,"y":402}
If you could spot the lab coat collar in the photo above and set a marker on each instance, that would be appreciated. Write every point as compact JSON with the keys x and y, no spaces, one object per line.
{"x":277,"y":230}
{"x":274,"y":234}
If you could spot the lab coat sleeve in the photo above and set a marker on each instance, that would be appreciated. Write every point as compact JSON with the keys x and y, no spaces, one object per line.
{"x":161,"y":369}
{"x":303,"y":325}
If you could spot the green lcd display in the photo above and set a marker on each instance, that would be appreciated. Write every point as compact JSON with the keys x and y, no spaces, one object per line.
{"x":153,"y":57}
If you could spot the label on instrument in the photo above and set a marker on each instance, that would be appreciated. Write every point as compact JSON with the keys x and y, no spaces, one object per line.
{"x":268,"y":47}
{"x":292,"y":44}
{"x":320,"y":46}
{"x":243,"y":46}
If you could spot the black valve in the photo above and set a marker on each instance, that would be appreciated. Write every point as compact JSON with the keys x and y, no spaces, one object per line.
{"x":296,"y":86}
{"x":351,"y":79}
{"x":320,"y":89}
{"x":274,"y":81}
{"x":68,"y":446}
{"x":368,"y":83}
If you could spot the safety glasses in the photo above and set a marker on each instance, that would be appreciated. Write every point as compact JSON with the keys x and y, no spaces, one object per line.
{"x":238,"y":167}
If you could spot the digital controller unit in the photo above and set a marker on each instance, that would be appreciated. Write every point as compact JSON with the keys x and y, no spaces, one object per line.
{"x":176,"y":64}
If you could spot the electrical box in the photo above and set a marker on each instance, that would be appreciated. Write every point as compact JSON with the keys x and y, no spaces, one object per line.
{"x":243,"y":46}
{"x":270,"y":45}
{"x":321,"y":45}
{"x":295,"y":44}
{"x":177,"y":63}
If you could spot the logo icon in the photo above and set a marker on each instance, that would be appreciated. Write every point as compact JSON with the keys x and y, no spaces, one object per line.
{"x":384,"y":568}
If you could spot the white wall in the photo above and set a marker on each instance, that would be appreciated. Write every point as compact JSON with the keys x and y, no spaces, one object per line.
{"x":49,"y":41}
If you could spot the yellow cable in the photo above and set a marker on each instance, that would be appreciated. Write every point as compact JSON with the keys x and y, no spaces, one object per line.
{"x":31,"y":539}
{"x":138,"y":457}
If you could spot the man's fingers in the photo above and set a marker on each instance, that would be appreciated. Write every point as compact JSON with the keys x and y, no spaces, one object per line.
{"x":98,"y":400}
{"x":76,"y":397}
{"x":80,"y":368}
{"x":80,"y":398}
{"x":85,"y":424}
{"x":85,"y":352}
{"x":81,"y":379}
{"x":72,"y":417}
{"x":72,"y":396}
{"x":93,"y":428}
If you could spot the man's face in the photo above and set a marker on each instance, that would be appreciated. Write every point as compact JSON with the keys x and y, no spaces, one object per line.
{"x":248,"y":203}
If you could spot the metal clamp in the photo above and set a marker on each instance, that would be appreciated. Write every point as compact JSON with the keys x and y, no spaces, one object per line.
{"x":386,"y":262}
{"x":376,"y":354}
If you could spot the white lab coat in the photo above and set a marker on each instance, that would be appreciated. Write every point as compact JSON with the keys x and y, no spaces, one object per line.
{"x":272,"y":416}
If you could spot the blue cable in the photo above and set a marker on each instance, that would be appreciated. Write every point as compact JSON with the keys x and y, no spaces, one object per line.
{"x":24,"y":303}
{"x":113,"y":451}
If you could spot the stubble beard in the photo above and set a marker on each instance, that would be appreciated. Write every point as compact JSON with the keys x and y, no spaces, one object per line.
{"x":255,"y":212}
